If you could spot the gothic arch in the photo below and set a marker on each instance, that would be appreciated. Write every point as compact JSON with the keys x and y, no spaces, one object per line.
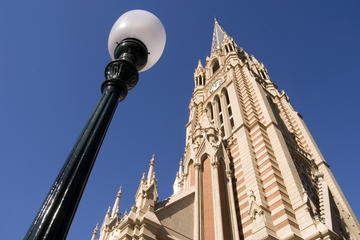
{"x":204,"y":156}
{"x":221,"y":156}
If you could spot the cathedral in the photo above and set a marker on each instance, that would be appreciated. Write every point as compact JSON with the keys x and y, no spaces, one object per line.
{"x":251,"y":169}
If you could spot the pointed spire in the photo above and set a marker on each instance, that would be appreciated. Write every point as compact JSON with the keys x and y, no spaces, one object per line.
{"x":115,"y":210}
{"x":151,"y":169}
{"x":218,"y":36}
{"x":95,"y":232}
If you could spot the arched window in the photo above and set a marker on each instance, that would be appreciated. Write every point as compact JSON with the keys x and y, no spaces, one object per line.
{"x":226,"y":49}
{"x":215,"y":66}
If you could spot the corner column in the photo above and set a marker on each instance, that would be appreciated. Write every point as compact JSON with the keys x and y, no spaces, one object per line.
{"x":197,"y":203}
{"x":217,"y":201}
{"x":234,"y":222}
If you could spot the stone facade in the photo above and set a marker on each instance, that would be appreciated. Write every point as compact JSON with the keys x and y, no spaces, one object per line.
{"x":251,"y":169}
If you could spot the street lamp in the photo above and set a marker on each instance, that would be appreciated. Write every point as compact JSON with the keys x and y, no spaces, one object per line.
{"x":136,"y":42}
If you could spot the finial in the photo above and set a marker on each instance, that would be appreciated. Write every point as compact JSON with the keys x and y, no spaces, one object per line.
{"x":215,"y":20}
{"x":152,"y":161}
{"x":143,"y":177}
{"x":96,"y":227}
{"x":120,"y":191}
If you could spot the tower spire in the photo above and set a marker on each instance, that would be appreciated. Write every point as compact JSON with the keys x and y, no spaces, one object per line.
{"x":115,"y":210}
{"x":218,"y":35}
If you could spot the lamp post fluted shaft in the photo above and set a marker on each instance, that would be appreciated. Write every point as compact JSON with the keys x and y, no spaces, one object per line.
{"x":55,"y":216}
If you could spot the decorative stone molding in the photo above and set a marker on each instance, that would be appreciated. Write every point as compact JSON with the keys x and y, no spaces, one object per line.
{"x":254,"y":209}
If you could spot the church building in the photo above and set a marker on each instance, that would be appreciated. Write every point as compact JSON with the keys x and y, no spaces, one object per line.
{"x":251,"y":169}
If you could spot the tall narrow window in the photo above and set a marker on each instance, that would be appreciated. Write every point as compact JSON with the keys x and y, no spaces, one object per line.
{"x":263,"y":74}
{"x":231,"y":119}
{"x":210,"y":111}
{"x":221,"y":119}
{"x":215,"y":66}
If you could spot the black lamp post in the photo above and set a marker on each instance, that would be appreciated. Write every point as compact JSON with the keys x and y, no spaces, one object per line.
{"x":136,"y":42}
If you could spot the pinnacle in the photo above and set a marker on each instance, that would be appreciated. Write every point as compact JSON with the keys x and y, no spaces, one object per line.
{"x":199,"y":64}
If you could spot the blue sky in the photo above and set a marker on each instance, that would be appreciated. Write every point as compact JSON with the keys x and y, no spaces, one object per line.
{"x":52,"y":59}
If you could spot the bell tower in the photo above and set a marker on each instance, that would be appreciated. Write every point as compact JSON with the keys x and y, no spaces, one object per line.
{"x":258,"y":172}
{"x":250,"y":170}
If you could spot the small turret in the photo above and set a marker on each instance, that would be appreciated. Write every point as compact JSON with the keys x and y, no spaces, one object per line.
{"x":199,"y":75}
